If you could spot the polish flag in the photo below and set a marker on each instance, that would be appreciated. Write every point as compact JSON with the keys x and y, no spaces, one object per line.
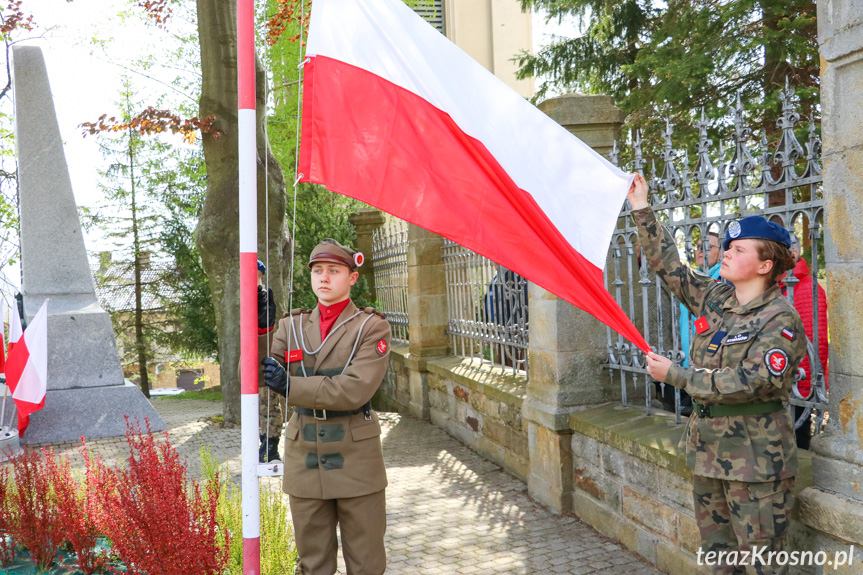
{"x":15,"y":333}
{"x":398,"y":117}
{"x":2,"y":343}
{"x":27,"y":368}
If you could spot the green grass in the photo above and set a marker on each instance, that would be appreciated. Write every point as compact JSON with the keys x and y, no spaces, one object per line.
{"x":278,"y":551}
{"x":210,"y":395}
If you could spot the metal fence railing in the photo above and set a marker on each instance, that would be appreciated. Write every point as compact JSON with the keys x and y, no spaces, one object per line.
{"x":488,"y":309}
{"x":700,"y":200}
{"x":390,"y":266}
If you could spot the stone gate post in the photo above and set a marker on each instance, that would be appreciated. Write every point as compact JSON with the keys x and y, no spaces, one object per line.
{"x":833,"y":507}
{"x":427,"y":310}
{"x":365,"y":222}
{"x":567,"y":346}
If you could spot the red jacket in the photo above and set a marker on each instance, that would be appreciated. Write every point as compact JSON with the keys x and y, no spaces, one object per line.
{"x":803,"y":305}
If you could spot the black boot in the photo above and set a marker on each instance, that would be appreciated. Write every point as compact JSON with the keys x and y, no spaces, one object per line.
{"x":262,"y":450}
{"x":273,"y":449}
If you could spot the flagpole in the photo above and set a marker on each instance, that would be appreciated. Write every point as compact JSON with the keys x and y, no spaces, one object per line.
{"x":248,"y":209}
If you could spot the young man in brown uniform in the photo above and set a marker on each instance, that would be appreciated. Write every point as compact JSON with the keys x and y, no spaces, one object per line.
{"x":337,"y":356}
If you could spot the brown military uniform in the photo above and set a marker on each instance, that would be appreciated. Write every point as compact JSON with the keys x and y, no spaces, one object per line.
{"x":334,"y":467}
{"x":743,"y":465}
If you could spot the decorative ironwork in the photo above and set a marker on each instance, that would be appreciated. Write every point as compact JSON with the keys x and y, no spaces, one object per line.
{"x":488,"y":309}
{"x":784,"y":186}
{"x":390,"y":265}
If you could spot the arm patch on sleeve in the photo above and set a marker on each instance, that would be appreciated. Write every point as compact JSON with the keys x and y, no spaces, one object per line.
{"x":776,"y":361}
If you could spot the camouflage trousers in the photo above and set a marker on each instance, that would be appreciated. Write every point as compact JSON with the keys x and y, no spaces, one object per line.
{"x":271,"y":410}
{"x":743,"y":521}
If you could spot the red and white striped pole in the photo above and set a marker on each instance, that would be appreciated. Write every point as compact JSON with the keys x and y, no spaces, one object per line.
{"x":248,"y":285}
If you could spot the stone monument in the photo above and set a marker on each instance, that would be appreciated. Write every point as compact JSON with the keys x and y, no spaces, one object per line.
{"x":87,"y":394}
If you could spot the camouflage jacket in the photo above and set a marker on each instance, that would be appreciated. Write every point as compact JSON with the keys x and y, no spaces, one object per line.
{"x":739,"y":354}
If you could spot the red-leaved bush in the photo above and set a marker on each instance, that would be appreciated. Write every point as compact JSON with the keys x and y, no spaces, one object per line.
{"x":32,"y":497}
{"x":8,"y":518}
{"x":156,"y":524}
{"x":75,"y":520}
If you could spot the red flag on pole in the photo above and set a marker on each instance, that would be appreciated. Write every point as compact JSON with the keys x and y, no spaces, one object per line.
{"x":27,"y":368}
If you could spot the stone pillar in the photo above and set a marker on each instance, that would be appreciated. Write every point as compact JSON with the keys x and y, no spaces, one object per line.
{"x":834,"y":506}
{"x":567,"y":345}
{"x":365,"y":222}
{"x":427,"y":310}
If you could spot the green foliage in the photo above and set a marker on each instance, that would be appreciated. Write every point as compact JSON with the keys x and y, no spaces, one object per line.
{"x":319,"y":213}
{"x":207,"y":394}
{"x":278,"y":553}
{"x":670,"y":60}
{"x":153,"y":191}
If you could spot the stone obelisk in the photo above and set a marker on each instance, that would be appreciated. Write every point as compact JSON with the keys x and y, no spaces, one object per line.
{"x":87,"y":395}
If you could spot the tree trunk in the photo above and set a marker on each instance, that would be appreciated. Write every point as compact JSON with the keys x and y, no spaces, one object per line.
{"x":140,"y":344}
{"x":218,"y":227}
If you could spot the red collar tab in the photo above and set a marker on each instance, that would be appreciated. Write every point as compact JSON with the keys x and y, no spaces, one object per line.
{"x":701,"y":325}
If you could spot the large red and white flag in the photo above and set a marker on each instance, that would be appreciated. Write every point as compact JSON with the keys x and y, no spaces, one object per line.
{"x":397,"y":116}
{"x":27,"y":368}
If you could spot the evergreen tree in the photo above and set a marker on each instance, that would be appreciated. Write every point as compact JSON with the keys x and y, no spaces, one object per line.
{"x":152,"y":191}
{"x":669,"y":60}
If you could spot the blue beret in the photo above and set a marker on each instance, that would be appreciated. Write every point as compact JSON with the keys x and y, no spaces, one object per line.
{"x":261,"y":267}
{"x":756,"y":228}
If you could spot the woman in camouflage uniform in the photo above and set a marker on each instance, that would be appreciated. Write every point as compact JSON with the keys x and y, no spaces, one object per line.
{"x":749,"y":340}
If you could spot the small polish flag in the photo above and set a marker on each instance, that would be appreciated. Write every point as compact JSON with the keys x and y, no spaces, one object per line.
{"x":2,"y":343}
{"x":397,"y":116}
{"x":27,"y":368}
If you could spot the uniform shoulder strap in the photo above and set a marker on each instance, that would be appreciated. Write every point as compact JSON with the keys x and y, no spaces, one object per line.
{"x":298,"y":311}
{"x":373,"y":311}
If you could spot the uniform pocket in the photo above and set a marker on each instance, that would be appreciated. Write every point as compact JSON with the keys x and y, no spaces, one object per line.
{"x":366,"y":431}
{"x":291,"y":432}
{"x":769,"y":505}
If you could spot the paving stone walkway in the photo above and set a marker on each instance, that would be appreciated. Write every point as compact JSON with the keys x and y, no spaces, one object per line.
{"x":449,"y":510}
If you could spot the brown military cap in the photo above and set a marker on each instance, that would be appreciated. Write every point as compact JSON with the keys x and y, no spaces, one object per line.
{"x":330,"y":250}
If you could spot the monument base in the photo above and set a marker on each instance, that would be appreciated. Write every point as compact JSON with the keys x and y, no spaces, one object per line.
{"x":9,"y":444}
{"x":91,"y":412}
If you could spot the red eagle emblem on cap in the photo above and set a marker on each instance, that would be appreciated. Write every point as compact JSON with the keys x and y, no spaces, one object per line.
{"x":381,"y":347}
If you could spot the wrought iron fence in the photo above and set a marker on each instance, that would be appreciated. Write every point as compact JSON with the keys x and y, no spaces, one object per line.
{"x":696,"y":202}
{"x":488,"y":309}
{"x":390,"y":265}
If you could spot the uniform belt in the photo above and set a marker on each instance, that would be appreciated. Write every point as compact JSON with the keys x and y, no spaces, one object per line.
{"x":324,"y":414}
{"x":714,"y":410}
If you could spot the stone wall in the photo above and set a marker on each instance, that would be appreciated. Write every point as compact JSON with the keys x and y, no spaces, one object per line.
{"x":481,"y":406}
{"x":630,"y":482}
{"x":394,"y":393}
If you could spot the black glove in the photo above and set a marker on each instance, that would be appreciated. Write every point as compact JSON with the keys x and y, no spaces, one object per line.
{"x":275,"y":376}
{"x":266,"y":308}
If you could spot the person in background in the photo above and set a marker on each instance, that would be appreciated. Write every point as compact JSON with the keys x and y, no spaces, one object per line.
{"x":803,"y":305}
{"x":271,"y":406}
{"x":711,"y":265}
